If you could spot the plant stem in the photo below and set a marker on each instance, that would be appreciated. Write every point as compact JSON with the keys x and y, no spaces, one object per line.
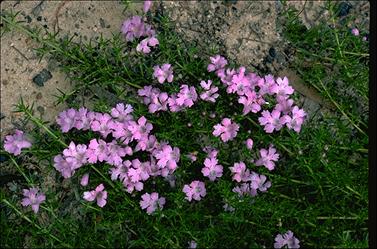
{"x":339,"y":108}
{"x":33,"y":223}
{"x":20,"y":170}
{"x":38,"y":123}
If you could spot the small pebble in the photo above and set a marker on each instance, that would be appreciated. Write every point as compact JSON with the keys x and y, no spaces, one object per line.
{"x":42,"y":77}
{"x":272,"y":52}
{"x":102,"y":23}
{"x":344,"y":9}
{"x":28,"y":19}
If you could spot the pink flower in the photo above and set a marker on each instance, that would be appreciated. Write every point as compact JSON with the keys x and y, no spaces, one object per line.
{"x":139,"y":171}
{"x":217,"y":62}
{"x":122,"y":113}
{"x":226,"y":76}
{"x":196,"y":190}
{"x":102,"y":124}
{"x":116,"y":153}
{"x":226,"y":130}
{"x":14,"y":143}
{"x":151,"y":202}
{"x":296,"y":120}
{"x":84,"y":180}
{"x":165,"y":72}
{"x":32,"y":198}
{"x":268,"y":158}
{"x":120,"y":171}
{"x":140,"y":129}
{"x":144,"y":45}
{"x":192,"y":156}
{"x":211,"y":92}
{"x":186,"y":96}
{"x":147,"y":5}
{"x":123,"y":133}
{"x":240,"y":172}
{"x":119,"y":129}
{"x":192,"y":244}
{"x":240,"y":83}
{"x":259,"y":182}
{"x":211,"y":169}
{"x":134,"y":27}
{"x":271,"y":121}
{"x":66,"y":119}
{"x":61,"y":165}
{"x":250,"y":102}
{"x":76,"y":155}
{"x":158,"y":103}
{"x":245,"y":189}
{"x":355,"y":32}
{"x":173,"y":105}
{"x":284,"y":105}
{"x":154,"y":169}
{"x":249,"y":143}
{"x":266,"y":85}
{"x":131,"y":186}
{"x":99,"y":194}
{"x":148,"y":92}
{"x":146,"y":144}
{"x":282,"y":89}
{"x":97,"y":151}
{"x":83,"y":119}
{"x":286,"y":239}
{"x":167,"y":156}
{"x":211,"y":152}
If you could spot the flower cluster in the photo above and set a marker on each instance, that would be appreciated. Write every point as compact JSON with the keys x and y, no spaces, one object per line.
{"x":134,"y":28}
{"x":33,"y":198}
{"x":160,"y":101}
{"x":226,"y":130}
{"x":121,"y":135}
{"x":72,"y":159}
{"x":196,"y":190}
{"x":15,"y":143}
{"x":274,"y":121}
{"x":251,"y":181}
{"x":286,"y":239}
{"x":129,"y":135}
{"x":253,"y":90}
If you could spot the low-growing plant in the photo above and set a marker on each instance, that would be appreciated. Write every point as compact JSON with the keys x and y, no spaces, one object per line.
{"x":175,"y":150}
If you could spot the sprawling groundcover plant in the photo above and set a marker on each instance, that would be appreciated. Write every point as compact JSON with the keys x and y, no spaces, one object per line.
{"x":128,"y":143}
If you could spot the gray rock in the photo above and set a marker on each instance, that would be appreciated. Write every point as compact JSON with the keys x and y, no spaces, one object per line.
{"x":102,"y":23}
{"x":42,"y":77}
{"x":37,"y":9}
